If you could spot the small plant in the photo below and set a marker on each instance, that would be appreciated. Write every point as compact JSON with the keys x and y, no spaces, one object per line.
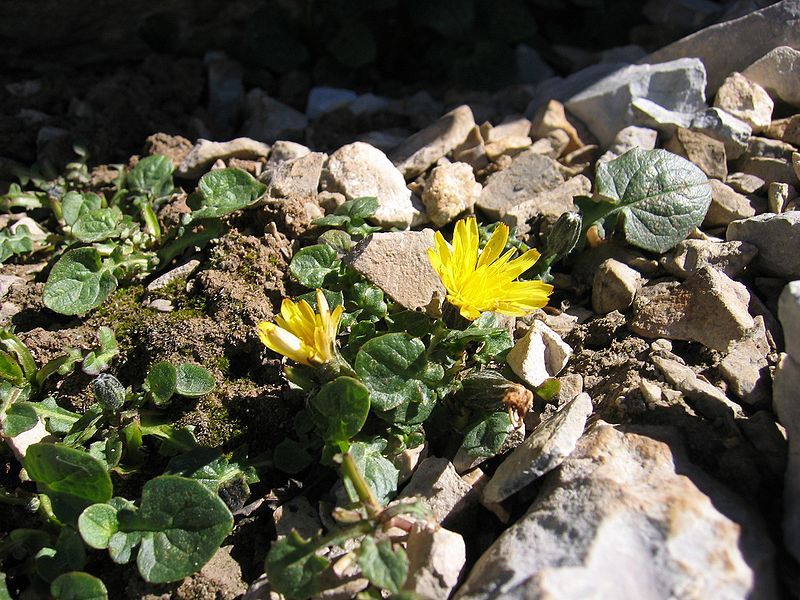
{"x":105,"y":240}
{"x":299,"y":568}
{"x":399,"y":370}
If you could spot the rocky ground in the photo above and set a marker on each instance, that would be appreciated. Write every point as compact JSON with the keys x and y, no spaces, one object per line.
{"x":667,"y":465}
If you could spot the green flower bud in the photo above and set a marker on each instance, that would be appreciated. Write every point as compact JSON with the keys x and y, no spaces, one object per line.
{"x":564,"y":236}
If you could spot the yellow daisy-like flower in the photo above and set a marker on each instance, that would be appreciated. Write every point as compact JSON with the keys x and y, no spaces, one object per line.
{"x":484,"y":281}
{"x":301,"y":334}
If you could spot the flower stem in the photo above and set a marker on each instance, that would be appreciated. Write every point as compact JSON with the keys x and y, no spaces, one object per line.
{"x":365,"y":493}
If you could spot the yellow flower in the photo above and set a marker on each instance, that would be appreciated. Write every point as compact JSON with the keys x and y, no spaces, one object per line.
{"x":301,"y":334}
{"x":484,"y":281}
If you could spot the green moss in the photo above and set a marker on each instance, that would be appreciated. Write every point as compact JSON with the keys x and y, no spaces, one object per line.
{"x":122,"y":312}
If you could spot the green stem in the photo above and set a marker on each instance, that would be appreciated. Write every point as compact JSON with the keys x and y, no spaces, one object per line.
{"x":365,"y":493}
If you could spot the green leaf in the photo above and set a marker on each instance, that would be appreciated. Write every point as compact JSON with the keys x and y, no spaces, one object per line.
{"x":291,"y":457}
{"x":486,"y":437}
{"x":369,"y":299}
{"x":69,"y":554}
{"x":98,"y":361}
{"x":78,"y":586}
{"x":340,"y":409}
{"x":58,"y":420}
{"x":409,"y":413}
{"x":379,"y":472}
{"x":314,"y":266}
{"x":335,"y":238}
{"x":358,"y":208}
{"x":10,"y":369}
{"x":74,"y":204}
{"x":549,"y":389}
{"x":152,"y":176}
{"x":293,"y":567}
{"x":384,"y":566}
{"x":20,"y":417}
{"x":16,"y":242}
{"x":97,"y":225}
{"x":78,"y":282}
{"x":224,"y":191}
{"x":193,"y":381}
{"x":393,"y":366}
{"x":97,"y":524}
{"x":4,"y":593}
{"x":210,"y":467}
{"x":161,"y":382}
{"x":661,"y":197}
{"x":181,"y":525}
{"x":71,"y":478}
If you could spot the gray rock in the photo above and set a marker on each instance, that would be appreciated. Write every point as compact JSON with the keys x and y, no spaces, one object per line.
{"x":777,"y":72}
{"x":745,"y":368}
{"x":722,"y":126}
{"x":450,"y":190}
{"x":776,"y":237}
{"x":531,"y":67}
{"x":205,"y":153}
{"x":325,"y":99}
{"x":406,"y":462}
{"x":628,"y":138}
{"x":284,"y":150}
{"x":605,"y":108}
{"x":744,"y":183}
{"x":529,"y":174}
{"x":745,"y":100}
{"x":560,"y":89}
{"x":451,"y":499}
{"x":706,"y":398}
{"x":550,"y":204}
{"x":614,"y":287}
{"x":181,"y":271}
{"x":789,"y":314}
{"x":764,"y":29}
{"x":296,"y":178}
{"x":6,"y":281}
{"x":729,"y":258}
{"x":779,"y":195}
{"x":708,"y":307}
{"x":398,"y":264}
{"x":726,"y":206}
{"x":704,"y":151}
{"x":763,"y":147}
{"x":649,"y":114}
{"x":617,"y":521}
{"x":514,"y":126}
{"x":359,"y":169}
{"x":368,"y":104}
{"x":297,"y":515}
{"x":268,"y":120}
{"x":539,"y":355}
{"x":161,"y":305}
{"x":424,"y":148}
{"x":225,"y":89}
{"x":436,"y":561}
{"x":544,"y":449}
{"x":769,"y":169}
{"x":787,"y":382}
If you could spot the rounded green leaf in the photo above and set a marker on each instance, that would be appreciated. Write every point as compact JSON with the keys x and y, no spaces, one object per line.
{"x":312,"y":265}
{"x":78,"y":586}
{"x":486,"y":437}
{"x":294,"y":567}
{"x":152,"y":176}
{"x":223,"y":191}
{"x":78,"y":282}
{"x":97,"y":524}
{"x":109,"y":392}
{"x":72,"y":478}
{"x":661,"y":195}
{"x":161,"y":382}
{"x":193,"y":381}
{"x":393,"y":366}
{"x":384,"y":566}
{"x":74,"y":204}
{"x":97,"y":225}
{"x":340,"y":409}
{"x":182,"y":524}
